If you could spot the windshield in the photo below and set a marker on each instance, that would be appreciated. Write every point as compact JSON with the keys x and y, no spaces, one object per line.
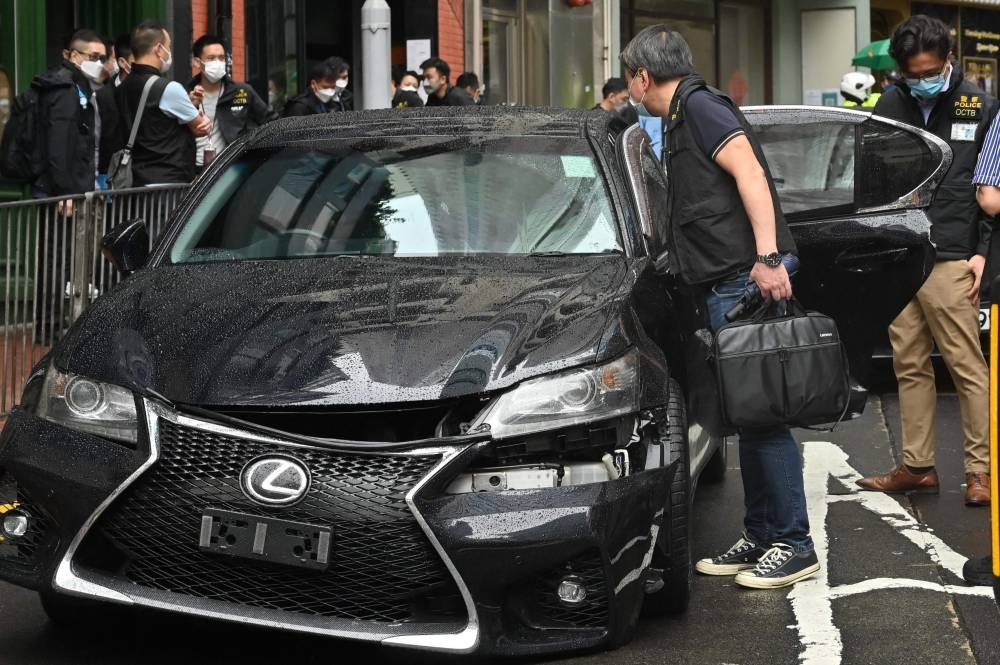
{"x":424,"y":197}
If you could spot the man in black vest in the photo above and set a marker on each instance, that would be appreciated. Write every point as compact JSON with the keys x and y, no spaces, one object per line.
{"x":726,"y":229}
{"x":164,"y":150}
{"x":934,"y":96}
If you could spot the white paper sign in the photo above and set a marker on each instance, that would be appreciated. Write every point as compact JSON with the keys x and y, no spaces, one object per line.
{"x":417,"y":50}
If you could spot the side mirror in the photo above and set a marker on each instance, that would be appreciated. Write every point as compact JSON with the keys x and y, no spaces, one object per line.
{"x":127,"y":246}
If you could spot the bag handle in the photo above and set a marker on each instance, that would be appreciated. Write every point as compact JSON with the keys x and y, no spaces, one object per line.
{"x":794,"y":306}
{"x":138,"y":118}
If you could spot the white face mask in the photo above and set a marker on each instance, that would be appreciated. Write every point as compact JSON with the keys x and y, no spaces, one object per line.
{"x":92,"y":70}
{"x":169,"y":62}
{"x":325,"y":94}
{"x":341,"y":84}
{"x":408,"y":88}
{"x":214,"y":70}
{"x":430,"y":87}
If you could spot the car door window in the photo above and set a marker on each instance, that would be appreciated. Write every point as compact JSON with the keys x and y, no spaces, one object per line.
{"x":649,"y":186}
{"x":813,"y":165}
{"x":894,"y":162}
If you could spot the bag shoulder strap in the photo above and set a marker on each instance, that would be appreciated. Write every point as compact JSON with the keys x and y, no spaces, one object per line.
{"x":142,"y":107}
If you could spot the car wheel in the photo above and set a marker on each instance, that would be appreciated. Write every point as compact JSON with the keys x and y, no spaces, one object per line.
{"x":672,"y":554}
{"x":715,"y":471}
{"x":80,"y":614}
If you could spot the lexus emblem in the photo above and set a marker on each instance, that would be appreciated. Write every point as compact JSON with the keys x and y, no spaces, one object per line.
{"x":275,"y":481}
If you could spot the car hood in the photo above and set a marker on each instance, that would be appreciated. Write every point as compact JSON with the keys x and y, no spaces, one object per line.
{"x":350,"y":330}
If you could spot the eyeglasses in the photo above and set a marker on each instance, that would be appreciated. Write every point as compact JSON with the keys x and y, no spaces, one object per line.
{"x":912,"y":80}
{"x":93,"y":57}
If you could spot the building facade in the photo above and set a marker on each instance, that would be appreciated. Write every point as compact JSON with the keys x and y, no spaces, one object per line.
{"x":530,"y":52}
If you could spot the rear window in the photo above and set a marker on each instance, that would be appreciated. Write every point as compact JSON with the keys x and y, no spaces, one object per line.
{"x":425,"y":197}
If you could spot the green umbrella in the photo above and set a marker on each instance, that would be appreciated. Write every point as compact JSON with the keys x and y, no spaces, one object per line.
{"x":875,"y":56}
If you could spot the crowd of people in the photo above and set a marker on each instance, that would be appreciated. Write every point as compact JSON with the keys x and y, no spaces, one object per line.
{"x":88,"y":105}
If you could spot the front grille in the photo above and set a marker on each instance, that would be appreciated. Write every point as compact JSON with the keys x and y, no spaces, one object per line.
{"x":592,"y":613}
{"x":382,"y":567}
{"x":23,"y":555}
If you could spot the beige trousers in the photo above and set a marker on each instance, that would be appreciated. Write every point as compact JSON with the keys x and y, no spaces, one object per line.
{"x":942,"y":313}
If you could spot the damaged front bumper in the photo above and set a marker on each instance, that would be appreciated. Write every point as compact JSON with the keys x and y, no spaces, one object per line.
{"x":510,"y":572}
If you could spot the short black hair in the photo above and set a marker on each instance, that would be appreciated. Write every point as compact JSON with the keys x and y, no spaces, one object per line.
{"x":920,"y":34}
{"x":438,"y":64}
{"x":146,"y":36}
{"x":206,"y":40}
{"x":614,"y":85}
{"x":84,"y":36}
{"x":468,"y":80}
{"x":331,"y":68}
{"x":123,"y":46}
{"x":338,"y":65}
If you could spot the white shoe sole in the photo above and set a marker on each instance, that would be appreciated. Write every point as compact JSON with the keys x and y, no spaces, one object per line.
{"x":706,"y":567}
{"x":752,"y":582}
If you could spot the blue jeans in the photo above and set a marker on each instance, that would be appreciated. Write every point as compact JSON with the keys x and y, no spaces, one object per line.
{"x":773,"y":493}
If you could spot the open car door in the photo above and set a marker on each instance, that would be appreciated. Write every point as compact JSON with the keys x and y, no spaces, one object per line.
{"x":852,"y":187}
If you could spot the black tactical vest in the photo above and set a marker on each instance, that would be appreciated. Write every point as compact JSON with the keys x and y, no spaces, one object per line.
{"x":710,"y":235}
{"x":164,"y":150}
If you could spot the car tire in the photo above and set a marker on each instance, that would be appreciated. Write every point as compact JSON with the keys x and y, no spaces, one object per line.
{"x":80,"y":614}
{"x":715,"y":471}
{"x":672,"y":554}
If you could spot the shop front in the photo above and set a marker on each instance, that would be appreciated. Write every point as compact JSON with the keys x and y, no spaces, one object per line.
{"x":730,"y":40}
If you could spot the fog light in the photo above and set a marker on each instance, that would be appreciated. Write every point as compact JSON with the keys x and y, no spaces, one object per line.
{"x":15,"y":524}
{"x":572,"y":591}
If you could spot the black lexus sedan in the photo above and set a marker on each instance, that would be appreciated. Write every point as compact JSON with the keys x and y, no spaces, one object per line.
{"x":420,"y":378}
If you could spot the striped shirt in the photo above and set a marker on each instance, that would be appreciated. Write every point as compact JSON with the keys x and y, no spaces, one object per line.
{"x":988,"y":167}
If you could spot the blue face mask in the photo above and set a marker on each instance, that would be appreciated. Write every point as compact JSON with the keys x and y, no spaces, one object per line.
{"x":639,"y":107}
{"x":928,"y":88}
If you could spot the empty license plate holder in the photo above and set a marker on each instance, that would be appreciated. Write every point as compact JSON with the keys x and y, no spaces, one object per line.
{"x":265,"y":539}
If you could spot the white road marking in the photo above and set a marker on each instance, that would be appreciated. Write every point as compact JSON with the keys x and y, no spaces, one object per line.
{"x":812,"y":599}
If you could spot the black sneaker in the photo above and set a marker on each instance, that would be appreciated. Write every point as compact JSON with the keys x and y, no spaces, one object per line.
{"x":979,"y":572}
{"x":780,"y":566}
{"x":741,"y":556}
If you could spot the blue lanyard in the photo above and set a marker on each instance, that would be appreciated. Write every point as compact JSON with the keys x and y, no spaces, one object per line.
{"x":83,"y":97}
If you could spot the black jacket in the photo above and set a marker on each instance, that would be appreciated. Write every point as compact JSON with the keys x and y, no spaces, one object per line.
{"x":68,"y":130}
{"x":709,"y":237}
{"x":959,"y":228}
{"x":406,"y":99}
{"x":239,"y":110}
{"x":114,"y":134}
{"x":164,"y":149}
{"x":454,"y":97}
{"x":308,"y":104}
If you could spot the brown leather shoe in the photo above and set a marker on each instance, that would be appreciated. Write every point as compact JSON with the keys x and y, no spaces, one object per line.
{"x":977,"y":489}
{"x":901,"y":480}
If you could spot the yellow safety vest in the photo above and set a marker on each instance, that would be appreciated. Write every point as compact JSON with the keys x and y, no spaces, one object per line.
{"x":868,"y":103}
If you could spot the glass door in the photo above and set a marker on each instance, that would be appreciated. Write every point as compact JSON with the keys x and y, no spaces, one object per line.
{"x":501,"y":57}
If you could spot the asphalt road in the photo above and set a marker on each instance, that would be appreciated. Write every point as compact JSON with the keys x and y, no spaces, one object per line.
{"x":889,"y":593}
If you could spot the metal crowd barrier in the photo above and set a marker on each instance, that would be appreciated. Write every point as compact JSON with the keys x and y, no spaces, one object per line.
{"x":53,"y":268}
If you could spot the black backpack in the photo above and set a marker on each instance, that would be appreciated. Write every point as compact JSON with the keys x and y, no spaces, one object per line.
{"x":21,"y":156}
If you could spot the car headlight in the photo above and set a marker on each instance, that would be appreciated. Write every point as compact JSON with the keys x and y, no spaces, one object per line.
{"x":561,"y":400}
{"x":90,"y":406}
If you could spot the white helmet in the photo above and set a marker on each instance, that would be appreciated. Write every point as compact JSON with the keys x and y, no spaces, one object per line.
{"x":857,"y":85}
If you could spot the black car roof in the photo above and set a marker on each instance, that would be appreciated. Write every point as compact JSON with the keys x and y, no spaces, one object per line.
{"x":440,"y":121}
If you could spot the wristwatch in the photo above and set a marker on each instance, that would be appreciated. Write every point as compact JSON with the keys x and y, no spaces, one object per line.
{"x":772,"y":260}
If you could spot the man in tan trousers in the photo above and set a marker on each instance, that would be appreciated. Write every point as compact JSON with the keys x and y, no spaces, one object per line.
{"x":934,"y":96}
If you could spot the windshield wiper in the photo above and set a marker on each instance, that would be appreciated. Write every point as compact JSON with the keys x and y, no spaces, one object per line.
{"x":549,"y":253}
